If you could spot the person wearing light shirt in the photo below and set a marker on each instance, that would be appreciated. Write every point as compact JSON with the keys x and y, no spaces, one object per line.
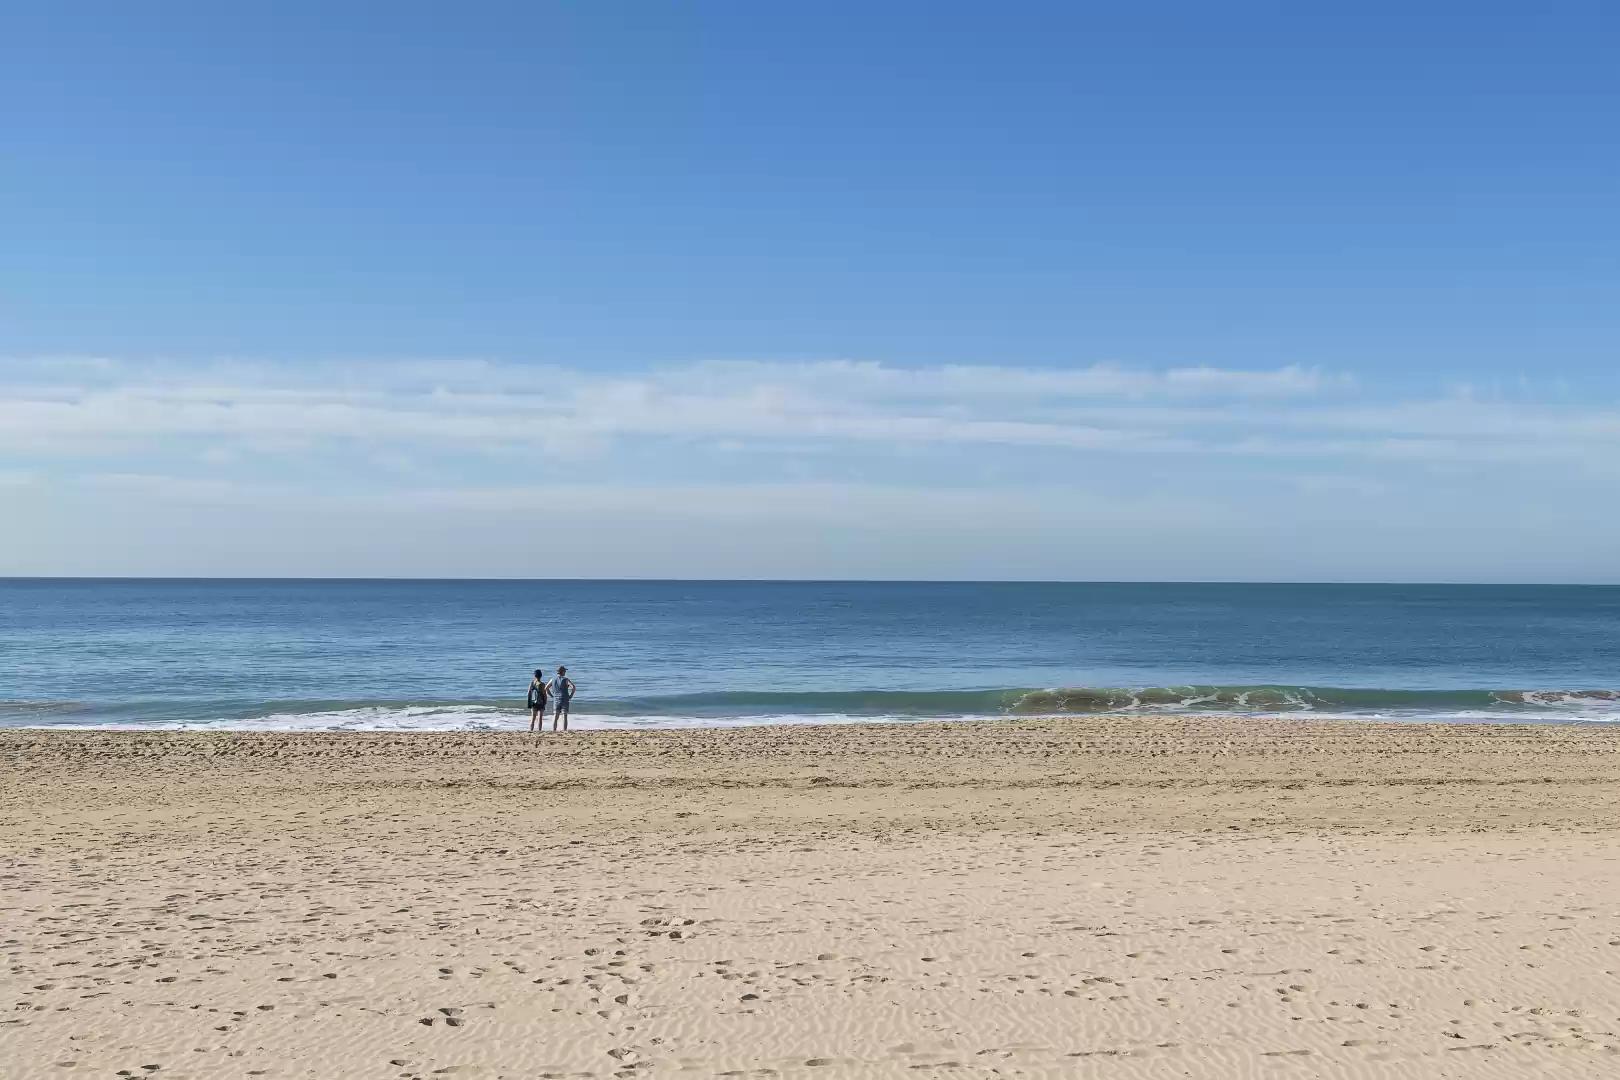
{"x":561,"y":690}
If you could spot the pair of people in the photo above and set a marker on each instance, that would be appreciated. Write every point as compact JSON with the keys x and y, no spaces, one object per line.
{"x":559,"y":691}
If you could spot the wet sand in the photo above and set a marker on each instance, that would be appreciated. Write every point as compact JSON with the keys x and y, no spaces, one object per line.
{"x":1119,"y":897}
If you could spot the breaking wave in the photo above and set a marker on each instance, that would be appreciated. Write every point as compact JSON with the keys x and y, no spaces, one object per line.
{"x":1311,"y":699}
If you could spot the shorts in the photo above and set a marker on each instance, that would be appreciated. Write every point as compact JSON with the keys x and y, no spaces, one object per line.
{"x":560,"y":705}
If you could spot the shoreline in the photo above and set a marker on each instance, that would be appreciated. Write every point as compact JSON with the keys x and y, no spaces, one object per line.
{"x":1135,"y":897}
{"x":513,"y":722}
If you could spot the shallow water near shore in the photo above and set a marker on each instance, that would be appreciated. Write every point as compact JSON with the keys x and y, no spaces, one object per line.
{"x":456,"y":655}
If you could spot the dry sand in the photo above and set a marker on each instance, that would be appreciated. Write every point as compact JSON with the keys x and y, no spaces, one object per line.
{"x":1083,"y":897}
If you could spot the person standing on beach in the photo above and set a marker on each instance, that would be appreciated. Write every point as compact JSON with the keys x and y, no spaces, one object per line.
{"x":537,"y":702}
{"x":562,"y":691}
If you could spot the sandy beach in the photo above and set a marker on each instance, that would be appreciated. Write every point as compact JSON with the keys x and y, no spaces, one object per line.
{"x":1112,"y":897}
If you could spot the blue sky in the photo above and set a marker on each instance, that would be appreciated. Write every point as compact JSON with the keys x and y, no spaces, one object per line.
{"x":900,"y":289}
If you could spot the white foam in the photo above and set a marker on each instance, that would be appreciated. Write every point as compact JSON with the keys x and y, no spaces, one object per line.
{"x":430,"y":718}
{"x":451,"y":718}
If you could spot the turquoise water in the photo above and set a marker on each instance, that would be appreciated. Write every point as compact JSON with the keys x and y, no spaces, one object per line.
{"x":453,"y":655}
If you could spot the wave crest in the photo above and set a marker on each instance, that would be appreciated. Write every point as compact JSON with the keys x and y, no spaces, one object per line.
{"x":1307,"y":699}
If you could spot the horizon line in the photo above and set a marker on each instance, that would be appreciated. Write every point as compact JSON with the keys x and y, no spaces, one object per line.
{"x":339,"y":579}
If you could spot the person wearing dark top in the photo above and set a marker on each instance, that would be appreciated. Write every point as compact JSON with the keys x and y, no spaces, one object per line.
{"x":537,"y":702}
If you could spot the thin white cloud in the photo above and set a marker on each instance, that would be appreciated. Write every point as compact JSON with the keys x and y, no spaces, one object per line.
{"x":82,"y":404}
{"x":97,"y":406}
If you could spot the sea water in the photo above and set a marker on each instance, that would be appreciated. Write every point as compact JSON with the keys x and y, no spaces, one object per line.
{"x":457,"y":655}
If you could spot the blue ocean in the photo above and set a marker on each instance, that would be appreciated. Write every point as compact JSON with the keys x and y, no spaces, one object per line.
{"x":277,"y":655}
